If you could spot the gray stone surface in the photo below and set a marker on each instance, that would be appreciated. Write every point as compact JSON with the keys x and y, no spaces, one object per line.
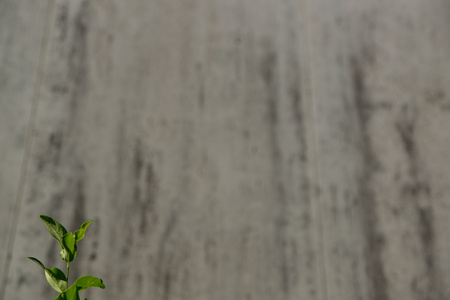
{"x":229,"y":149}
{"x":381,"y":83}
{"x":181,"y":129}
{"x":21,"y":33}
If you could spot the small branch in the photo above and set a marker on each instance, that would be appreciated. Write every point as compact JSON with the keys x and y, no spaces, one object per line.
{"x":67,"y":273}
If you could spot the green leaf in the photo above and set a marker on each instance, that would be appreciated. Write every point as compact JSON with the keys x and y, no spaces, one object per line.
{"x":55,"y":228}
{"x":56,"y":279}
{"x":37,"y":261}
{"x":60,"y":297}
{"x":89,"y":281}
{"x":55,"y":276}
{"x":70,"y":294}
{"x":79,"y":234}
{"x":67,"y":242}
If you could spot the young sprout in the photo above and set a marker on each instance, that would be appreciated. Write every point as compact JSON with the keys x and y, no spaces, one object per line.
{"x":68,"y":243}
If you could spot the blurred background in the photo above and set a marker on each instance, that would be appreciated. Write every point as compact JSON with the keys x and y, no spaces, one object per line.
{"x":228,"y":150}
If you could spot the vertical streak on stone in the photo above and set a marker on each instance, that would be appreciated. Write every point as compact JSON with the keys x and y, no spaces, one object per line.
{"x":150,"y":194}
{"x":144,"y":186}
{"x":78,"y":75}
{"x":80,"y":201}
{"x":301,"y":197}
{"x":120,"y":154}
{"x":268,"y":73}
{"x":419,"y":191}
{"x":164,"y":266}
{"x":295,"y":95}
{"x":201,"y":88}
{"x":366,"y":197}
{"x":138,"y":165}
{"x":78,"y":59}
{"x":312,"y":139}
{"x":294,"y":90}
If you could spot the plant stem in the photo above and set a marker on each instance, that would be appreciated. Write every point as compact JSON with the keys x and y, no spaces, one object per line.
{"x":68,"y":272}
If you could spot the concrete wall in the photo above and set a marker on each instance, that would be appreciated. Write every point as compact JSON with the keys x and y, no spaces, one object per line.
{"x":228,"y":150}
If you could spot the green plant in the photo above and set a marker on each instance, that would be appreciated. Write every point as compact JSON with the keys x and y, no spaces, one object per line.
{"x":68,"y":243}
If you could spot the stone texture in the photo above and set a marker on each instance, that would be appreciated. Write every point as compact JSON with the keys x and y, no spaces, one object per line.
{"x":21,"y":34}
{"x":181,"y":129}
{"x":381,"y":78}
{"x":229,"y":149}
